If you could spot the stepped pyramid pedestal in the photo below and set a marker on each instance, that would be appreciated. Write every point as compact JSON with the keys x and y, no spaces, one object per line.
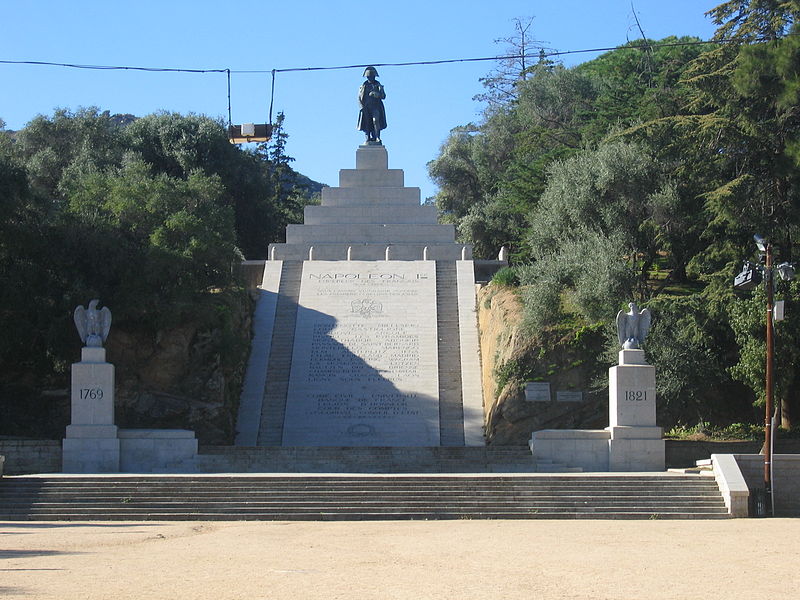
{"x":365,"y":331}
{"x":370,"y":211}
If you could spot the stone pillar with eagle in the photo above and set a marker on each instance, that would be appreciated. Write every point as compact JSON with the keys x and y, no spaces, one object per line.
{"x":636,"y":442}
{"x":91,"y":444}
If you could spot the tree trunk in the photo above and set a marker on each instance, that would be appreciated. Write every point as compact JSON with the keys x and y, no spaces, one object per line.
{"x":790,"y":406}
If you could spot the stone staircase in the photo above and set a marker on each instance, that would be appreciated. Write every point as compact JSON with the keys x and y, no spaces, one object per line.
{"x":384,"y":497}
{"x":550,"y":466}
{"x":360,"y":459}
{"x":280,"y":358}
{"x":451,"y":410}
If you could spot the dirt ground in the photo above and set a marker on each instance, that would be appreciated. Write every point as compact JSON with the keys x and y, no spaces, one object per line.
{"x":397,"y":560}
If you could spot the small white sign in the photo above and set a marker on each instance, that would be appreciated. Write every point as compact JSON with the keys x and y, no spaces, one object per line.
{"x":777,"y":311}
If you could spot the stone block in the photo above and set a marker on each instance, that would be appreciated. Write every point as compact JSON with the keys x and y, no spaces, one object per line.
{"x":566,"y":434}
{"x":371,"y":178}
{"x":632,"y":395}
{"x":92,"y":431}
{"x":584,"y":448}
{"x":632,"y":357}
{"x":639,"y":433}
{"x":90,"y":455}
{"x":92,"y":393}
{"x":153,"y":450}
{"x":93,"y":355}
{"x":371,"y":233}
{"x":156,"y":434}
{"x":377,"y":215}
{"x":636,"y":455}
{"x":372,"y":157}
{"x":336,"y":197}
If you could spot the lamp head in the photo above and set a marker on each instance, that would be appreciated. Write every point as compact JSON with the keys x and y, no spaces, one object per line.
{"x":786,"y":271}
{"x":749,"y":278}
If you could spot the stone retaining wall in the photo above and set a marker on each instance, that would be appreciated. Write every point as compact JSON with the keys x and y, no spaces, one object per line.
{"x":685,"y":453}
{"x":785,"y":483}
{"x":31,"y":456}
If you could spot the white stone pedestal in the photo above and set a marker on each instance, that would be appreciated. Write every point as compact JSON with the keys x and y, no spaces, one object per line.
{"x":631,"y":442}
{"x":636,"y":442}
{"x":91,"y":445}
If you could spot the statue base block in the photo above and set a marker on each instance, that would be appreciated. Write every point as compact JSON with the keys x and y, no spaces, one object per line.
{"x":90,"y":455}
{"x":633,"y":449}
{"x":632,"y":391}
{"x":91,"y":444}
{"x":92,"y":391}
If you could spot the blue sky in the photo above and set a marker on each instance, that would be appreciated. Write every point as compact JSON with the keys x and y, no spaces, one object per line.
{"x":423,"y":102}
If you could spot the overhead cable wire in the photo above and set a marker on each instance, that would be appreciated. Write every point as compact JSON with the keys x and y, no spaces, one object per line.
{"x":545,"y":54}
{"x":110,"y":67}
{"x":540,"y":54}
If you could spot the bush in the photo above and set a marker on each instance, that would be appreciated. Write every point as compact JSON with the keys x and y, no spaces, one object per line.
{"x":506,"y":276}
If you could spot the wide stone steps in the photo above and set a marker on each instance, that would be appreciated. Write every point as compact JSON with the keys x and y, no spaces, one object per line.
{"x":369,"y":459}
{"x":327,"y":497}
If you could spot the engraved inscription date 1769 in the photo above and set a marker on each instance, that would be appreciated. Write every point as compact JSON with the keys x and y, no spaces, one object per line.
{"x":91,"y":393}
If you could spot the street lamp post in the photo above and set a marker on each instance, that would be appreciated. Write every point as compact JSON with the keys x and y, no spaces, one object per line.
{"x":770,"y":378}
{"x":749,"y":279}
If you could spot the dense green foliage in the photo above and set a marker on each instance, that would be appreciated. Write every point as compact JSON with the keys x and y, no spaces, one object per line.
{"x":643,"y":174}
{"x":150,"y":215}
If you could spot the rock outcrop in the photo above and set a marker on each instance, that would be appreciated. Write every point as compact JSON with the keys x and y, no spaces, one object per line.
{"x":184,"y":377}
{"x":566,"y":357}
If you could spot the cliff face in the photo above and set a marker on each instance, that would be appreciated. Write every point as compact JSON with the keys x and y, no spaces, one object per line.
{"x":185,"y":377}
{"x":566,"y":357}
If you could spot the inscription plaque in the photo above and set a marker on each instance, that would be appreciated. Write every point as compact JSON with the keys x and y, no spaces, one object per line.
{"x":569,"y":396}
{"x":364,"y":364}
{"x":537,"y":391}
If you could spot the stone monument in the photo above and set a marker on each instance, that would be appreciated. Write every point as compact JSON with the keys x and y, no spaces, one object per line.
{"x":636,"y":442}
{"x":632,"y":441}
{"x":91,"y":444}
{"x":365,"y":330}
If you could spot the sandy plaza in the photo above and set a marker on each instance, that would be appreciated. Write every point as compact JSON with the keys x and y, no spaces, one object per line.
{"x":725,"y":559}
